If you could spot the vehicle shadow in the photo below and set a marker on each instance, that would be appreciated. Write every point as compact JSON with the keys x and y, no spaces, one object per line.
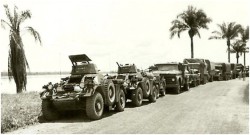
{"x":75,"y":117}
{"x":130,"y":105}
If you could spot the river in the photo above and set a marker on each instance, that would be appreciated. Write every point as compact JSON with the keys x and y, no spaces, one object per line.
{"x":34,"y":82}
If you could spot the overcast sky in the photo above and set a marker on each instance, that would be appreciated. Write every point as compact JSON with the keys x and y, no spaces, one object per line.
{"x":126,"y":31}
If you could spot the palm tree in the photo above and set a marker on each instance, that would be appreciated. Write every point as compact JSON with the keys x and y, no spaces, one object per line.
{"x":227,"y":31}
{"x":244,"y":33}
{"x":237,"y":47}
{"x":17,"y":62}
{"x":191,"y":20}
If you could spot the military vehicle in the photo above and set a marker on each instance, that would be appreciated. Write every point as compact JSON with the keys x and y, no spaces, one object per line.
{"x":233,"y":70}
{"x":210,"y":67}
{"x":247,"y":71}
{"x":158,"y":80}
{"x":137,"y":85}
{"x":85,"y":89}
{"x":200,"y":66}
{"x":239,"y":69}
{"x":217,"y":71}
{"x":224,"y":71}
{"x":176,"y":75}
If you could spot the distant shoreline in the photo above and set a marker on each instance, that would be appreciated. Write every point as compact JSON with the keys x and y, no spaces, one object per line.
{"x":40,"y":73}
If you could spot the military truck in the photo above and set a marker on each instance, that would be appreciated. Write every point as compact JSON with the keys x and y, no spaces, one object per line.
{"x":176,"y":75}
{"x":224,"y":71}
{"x":200,"y":66}
{"x":233,"y":70}
{"x":247,"y":71}
{"x":137,"y":85}
{"x":85,"y":89}
{"x":158,"y":80}
{"x":239,"y":69}
{"x":217,"y":71}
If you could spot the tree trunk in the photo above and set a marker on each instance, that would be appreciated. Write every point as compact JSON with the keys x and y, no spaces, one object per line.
{"x":237,"y":57}
{"x":244,"y":58}
{"x":228,"y":50}
{"x":192,"y":48}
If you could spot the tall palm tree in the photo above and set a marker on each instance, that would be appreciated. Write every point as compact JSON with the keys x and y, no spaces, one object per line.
{"x":244,"y":33}
{"x":17,"y":62}
{"x":190,"y":20}
{"x":227,"y":31}
{"x":237,"y":47}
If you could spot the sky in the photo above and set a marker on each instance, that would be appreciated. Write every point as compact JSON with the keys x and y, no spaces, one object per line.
{"x":124,"y":31}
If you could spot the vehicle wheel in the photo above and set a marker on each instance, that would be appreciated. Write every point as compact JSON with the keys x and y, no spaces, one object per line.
{"x":186,"y":87}
{"x":195,"y":83}
{"x":163,"y":92}
{"x":120,"y":105}
{"x":178,"y":88}
{"x":211,"y":79}
{"x":94,"y":106}
{"x":198,"y":82}
{"x":157,"y":91}
{"x":146,"y":92}
{"x":137,"y":97}
{"x":49,"y":112}
{"x":204,"y":80}
{"x":110,"y":92}
{"x":153,"y":96}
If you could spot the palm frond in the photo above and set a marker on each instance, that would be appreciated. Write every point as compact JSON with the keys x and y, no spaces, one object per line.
{"x":24,"y":16}
{"x":214,"y":37}
{"x":34,"y":33}
{"x":7,"y":12}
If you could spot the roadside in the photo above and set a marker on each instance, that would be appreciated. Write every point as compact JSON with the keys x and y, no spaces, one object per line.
{"x":217,"y":107}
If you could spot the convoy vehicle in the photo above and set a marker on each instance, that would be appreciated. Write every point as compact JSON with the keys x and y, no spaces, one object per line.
{"x":247,"y":71}
{"x":239,"y":69}
{"x":176,"y":75}
{"x":217,"y":71}
{"x":85,"y":89}
{"x":201,"y":66}
{"x":233,"y":70}
{"x":210,"y":67}
{"x":224,"y":71}
{"x":136,"y":85}
{"x":158,"y":80}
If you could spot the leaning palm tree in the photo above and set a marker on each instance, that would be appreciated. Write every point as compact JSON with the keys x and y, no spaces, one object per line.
{"x":227,"y":31}
{"x":190,"y":20}
{"x":244,"y":33}
{"x":237,"y":47}
{"x":17,"y":62}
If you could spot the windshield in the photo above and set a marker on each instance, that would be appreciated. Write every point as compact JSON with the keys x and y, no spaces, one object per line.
{"x":194,"y":66}
{"x":167,"y":67}
{"x":218,"y":67}
{"x":84,"y":69}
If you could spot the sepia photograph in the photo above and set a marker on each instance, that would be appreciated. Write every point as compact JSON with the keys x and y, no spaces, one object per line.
{"x":124,"y":66}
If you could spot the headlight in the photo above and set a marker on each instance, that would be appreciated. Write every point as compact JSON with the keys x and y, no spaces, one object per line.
{"x":127,"y":81}
{"x":173,"y":79}
{"x":50,"y":87}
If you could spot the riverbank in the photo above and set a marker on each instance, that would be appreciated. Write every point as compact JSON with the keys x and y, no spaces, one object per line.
{"x":19,"y":110}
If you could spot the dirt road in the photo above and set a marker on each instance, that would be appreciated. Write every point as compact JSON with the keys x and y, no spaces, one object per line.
{"x":217,"y":107}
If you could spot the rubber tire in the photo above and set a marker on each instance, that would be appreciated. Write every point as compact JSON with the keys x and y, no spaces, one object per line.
{"x":49,"y":112}
{"x":109,"y":85}
{"x":152,"y":98}
{"x":157,"y":91}
{"x":186,"y":87}
{"x":137,"y":96}
{"x":178,"y":88}
{"x":163,"y":92}
{"x":195,"y":83}
{"x":146,"y":91}
{"x":120,"y":105}
{"x":90,"y":106}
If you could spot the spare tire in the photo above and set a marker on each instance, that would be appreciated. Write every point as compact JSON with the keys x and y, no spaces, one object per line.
{"x":110,"y":92}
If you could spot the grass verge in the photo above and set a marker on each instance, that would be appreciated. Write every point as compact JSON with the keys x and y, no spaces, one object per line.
{"x":19,"y":110}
